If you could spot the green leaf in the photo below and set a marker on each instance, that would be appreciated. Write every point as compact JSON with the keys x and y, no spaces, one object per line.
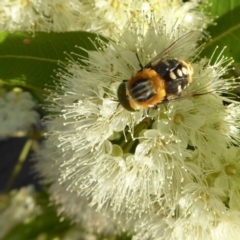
{"x":48,"y":222}
{"x":29,"y":61}
{"x":227,"y":30}
{"x":219,"y":8}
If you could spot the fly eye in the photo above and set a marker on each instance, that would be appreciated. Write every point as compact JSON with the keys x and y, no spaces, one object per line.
{"x":123,"y":98}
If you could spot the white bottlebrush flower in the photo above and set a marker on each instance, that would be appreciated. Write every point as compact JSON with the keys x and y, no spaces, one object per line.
{"x":100,"y":16}
{"x":162,"y":228}
{"x":38,"y":15}
{"x":183,"y":119}
{"x":18,"y":207}
{"x":234,"y":195}
{"x":216,"y":127}
{"x":128,"y":160}
{"x":228,"y":227}
{"x":225,"y":174}
{"x":110,"y":16}
{"x":70,"y":204}
{"x":17,"y":112}
{"x":18,"y":15}
{"x":202,"y":205}
{"x":201,"y":214}
{"x":227,"y":169}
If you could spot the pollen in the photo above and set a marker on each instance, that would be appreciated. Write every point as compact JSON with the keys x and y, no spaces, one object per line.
{"x":230,"y":170}
{"x":178,"y":119}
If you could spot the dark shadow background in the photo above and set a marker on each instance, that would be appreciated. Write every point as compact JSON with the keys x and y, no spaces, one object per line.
{"x":10,"y":150}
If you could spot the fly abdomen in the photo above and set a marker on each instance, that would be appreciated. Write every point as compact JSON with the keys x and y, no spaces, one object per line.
{"x":142,"y":90}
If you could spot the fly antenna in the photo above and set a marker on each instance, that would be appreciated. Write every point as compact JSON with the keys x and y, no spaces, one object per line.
{"x":140,"y":64}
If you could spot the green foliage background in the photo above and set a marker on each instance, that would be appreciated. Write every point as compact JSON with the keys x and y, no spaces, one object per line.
{"x":226,"y":32}
{"x":31,"y":61}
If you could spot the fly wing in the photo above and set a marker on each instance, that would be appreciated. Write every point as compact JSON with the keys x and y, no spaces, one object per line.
{"x":176,"y":49}
{"x":198,"y":87}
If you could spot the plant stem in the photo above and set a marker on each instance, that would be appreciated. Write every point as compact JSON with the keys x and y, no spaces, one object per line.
{"x":23,"y":156}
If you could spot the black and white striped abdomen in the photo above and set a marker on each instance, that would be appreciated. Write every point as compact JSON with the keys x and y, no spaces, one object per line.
{"x":142,"y":90}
